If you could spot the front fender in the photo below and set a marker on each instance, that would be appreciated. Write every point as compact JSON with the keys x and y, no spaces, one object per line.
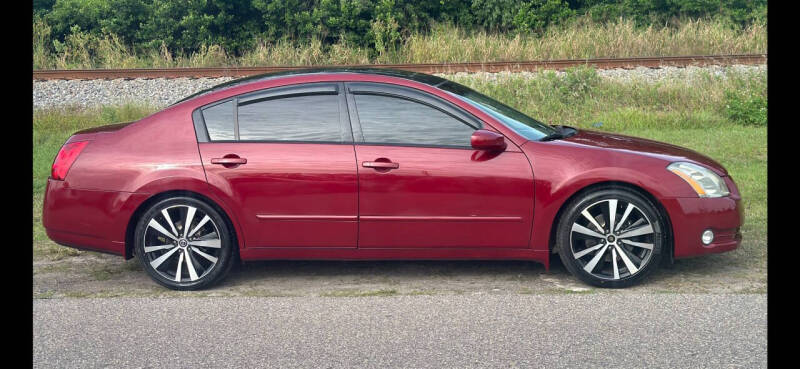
{"x":561,"y":170}
{"x":551,"y":197}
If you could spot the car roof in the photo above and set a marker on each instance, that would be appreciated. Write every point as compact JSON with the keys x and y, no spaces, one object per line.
{"x":423,"y":78}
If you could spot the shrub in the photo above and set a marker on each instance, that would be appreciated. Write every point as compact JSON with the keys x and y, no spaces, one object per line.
{"x":746,"y":108}
{"x":576,"y":83}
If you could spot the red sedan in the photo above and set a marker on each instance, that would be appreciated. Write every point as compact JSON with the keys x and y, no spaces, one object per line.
{"x":379,"y":164}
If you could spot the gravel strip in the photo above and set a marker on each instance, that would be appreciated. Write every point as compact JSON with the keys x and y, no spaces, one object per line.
{"x":161,"y":92}
{"x":649,"y":75}
{"x":158,"y":92}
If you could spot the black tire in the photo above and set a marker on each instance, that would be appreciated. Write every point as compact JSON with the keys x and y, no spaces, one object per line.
{"x":620,"y":263}
{"x":208,"y":252}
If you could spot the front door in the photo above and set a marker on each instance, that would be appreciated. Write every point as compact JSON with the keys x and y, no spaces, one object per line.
{"x":421,"y":185}
{"x":283,"y":160}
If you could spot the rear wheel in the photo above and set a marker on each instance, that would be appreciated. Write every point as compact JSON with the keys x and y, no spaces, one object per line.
{"x":184,"y":244}
{"x":611,"y":237}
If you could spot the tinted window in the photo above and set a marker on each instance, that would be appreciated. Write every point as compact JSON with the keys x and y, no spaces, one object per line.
{"x":219,"y":121}
{"x":297,"y":118}
{"x":526,"y":126}
{"x":387,"y":119}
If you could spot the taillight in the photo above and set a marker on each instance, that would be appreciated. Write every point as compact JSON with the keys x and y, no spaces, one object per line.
{"x":66,"y":156}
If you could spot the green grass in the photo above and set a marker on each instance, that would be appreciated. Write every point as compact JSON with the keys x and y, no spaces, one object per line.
{"x":51,"y":128}
{"x":686,"y":113}
{"x":578,"y":40}
{"x":580,"y":97}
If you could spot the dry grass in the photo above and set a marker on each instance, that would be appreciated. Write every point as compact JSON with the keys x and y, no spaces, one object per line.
{"x":581,"y":39}
{"x":584,"y":40}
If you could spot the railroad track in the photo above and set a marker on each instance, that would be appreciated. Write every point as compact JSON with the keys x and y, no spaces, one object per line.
{"x":517,"y":66}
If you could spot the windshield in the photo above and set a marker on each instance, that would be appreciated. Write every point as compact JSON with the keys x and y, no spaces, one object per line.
{"x":522,"y":124}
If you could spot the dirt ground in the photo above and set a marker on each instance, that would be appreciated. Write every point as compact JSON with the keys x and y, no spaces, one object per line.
{"x":99,"y":275}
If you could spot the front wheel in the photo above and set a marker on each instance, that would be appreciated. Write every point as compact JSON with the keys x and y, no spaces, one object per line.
{"x":611,"y":237}
{"x":184,"y":244}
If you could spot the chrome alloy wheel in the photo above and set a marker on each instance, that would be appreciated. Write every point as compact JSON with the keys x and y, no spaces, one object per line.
{"x":612,"y":239}
{"x":182,"y":243}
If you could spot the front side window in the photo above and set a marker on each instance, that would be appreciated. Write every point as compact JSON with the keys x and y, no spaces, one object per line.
{"x":307,"y":118}
{"x":524,"y":125}
{"x":395,"y":120}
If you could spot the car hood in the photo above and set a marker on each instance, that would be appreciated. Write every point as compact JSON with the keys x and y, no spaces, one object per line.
{"x":643,"y":146}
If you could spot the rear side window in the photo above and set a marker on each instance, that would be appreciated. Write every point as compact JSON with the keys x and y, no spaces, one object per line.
{"x":394,"y":120}
{"x":305,"y":118}
{"x":219,"y":121}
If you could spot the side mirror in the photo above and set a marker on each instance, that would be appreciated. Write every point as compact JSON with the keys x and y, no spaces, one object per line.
{"x":487,"y":140}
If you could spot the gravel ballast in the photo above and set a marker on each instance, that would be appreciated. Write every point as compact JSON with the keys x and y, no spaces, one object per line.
{"x":160,"y":92}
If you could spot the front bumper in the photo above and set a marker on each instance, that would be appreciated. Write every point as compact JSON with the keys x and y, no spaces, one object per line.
{"x":690,"y":217}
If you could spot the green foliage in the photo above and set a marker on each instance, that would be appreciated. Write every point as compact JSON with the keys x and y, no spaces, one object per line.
{"x":508,"y":15}
{"x":538,"y":15}
{"x":737,"y":12}
{"x":85,"y":14}
{"x":576,"y":83}
{"x":745,"y":100}
{"x":746,"y":108}
{"x":494,"y":15}
{"x":236,"y":26}
{"x":76,"y":47}
{"x":42,"y":6}
{"x":286,"y":18}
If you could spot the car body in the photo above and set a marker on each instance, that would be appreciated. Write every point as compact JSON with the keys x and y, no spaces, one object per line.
{"x":366,"y":178}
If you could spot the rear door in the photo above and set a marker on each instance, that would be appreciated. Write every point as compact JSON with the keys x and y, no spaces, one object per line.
{"x":283,"y":160}
{"x":421,"y":185}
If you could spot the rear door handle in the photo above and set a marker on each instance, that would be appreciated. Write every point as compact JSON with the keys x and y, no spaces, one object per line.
{"x":380,"y":165}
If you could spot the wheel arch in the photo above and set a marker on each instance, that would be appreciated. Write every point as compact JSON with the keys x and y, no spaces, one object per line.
{"x":611,"y":185}
{"x":130,"y":229}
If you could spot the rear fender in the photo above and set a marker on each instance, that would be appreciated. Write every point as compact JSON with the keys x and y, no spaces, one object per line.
{"x":193,"y":186}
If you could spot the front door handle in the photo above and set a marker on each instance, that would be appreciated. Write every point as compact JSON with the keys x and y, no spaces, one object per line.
{"x":224,"y":161}
{"x":229,"y":161}
{"x":380,"y":165}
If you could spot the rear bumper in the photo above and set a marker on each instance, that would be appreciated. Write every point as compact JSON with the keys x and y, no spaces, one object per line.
{"x":84,"y":242}
{"x":88,"y":219}
{"x":690,"y":217}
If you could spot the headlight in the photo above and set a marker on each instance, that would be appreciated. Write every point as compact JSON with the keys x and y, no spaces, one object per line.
{"x":705,"y":182}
